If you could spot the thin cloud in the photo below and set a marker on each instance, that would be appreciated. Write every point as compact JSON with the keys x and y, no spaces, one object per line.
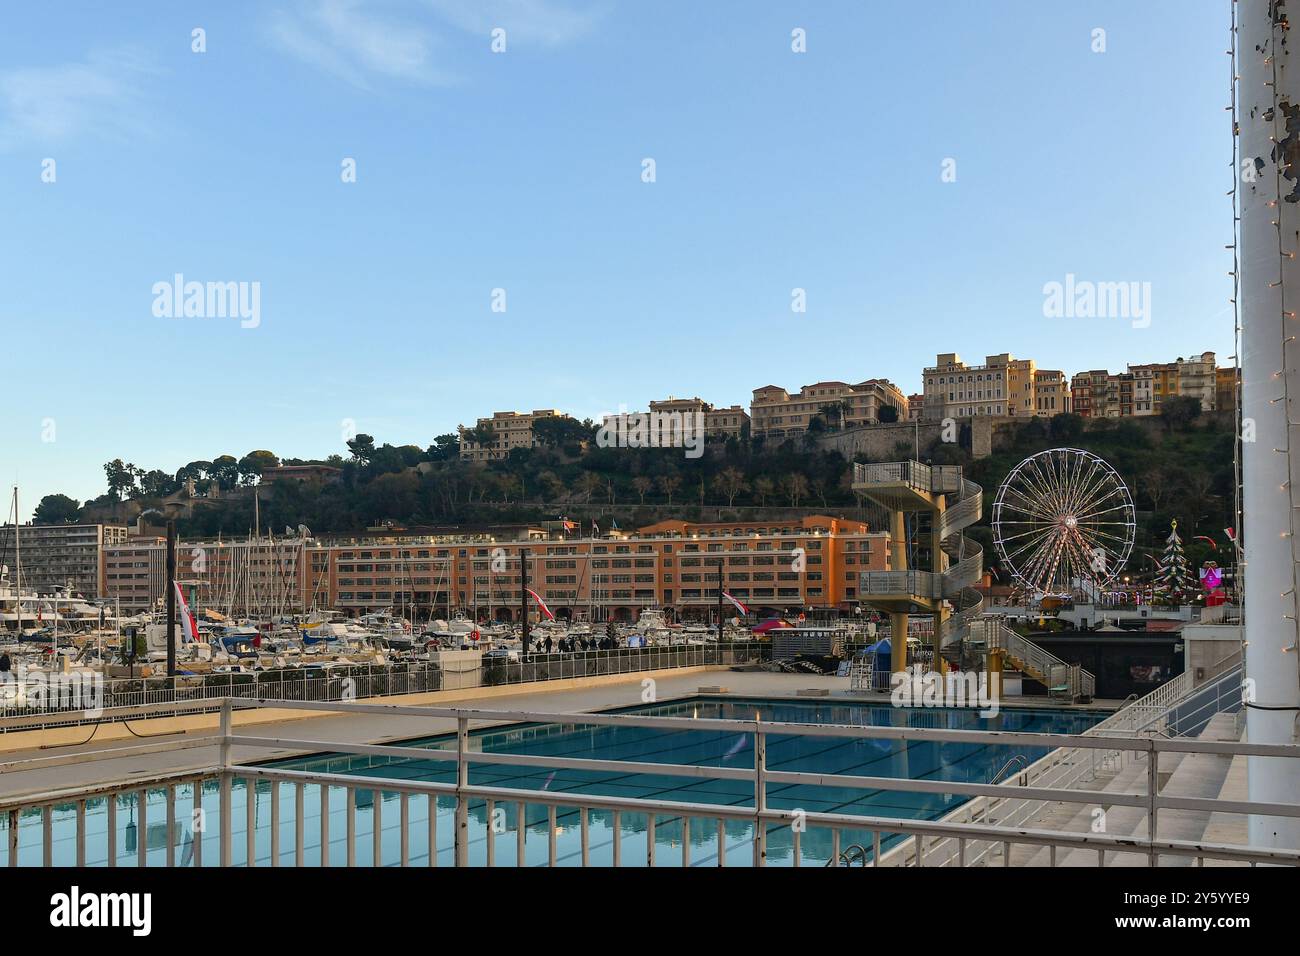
{"x":55,"y":103}
{"x":355,"y":44}
{"x":362,"y":41}
{"x":543,"y":22}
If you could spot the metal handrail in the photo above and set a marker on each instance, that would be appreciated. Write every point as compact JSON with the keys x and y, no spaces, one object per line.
{"x":1020,"y":759}
{"x":971,"y":831}
{"x":847,"y":857}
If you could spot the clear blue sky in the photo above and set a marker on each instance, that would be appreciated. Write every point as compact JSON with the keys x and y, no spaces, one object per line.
{"x":522,"y":171}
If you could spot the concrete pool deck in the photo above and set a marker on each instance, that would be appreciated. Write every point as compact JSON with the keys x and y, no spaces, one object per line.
{"x":383,"y":728}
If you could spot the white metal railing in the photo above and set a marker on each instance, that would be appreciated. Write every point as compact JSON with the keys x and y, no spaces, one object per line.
{"x":911,"y":473}
{"x":1077,"y":681}
{"x":1221,"y":614}
{"x":924,"y":584}
{"x":1148,"y":712}
{"x":239,"y":838}
{"x":1189,"y":715}
{"x":1069,"y":767}
{"x":328,"y":681}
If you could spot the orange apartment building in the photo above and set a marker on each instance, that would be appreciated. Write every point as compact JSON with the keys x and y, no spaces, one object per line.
{"x":774,"y":567}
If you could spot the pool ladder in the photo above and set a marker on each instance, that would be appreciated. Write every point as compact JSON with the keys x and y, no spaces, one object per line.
{"x":854,"y":852}
{"x":1018,"y":760}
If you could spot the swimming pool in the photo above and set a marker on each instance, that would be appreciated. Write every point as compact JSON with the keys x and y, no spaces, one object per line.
{"x":959,"y":762}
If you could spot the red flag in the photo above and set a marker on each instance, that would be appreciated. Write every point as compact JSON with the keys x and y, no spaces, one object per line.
{"x":541,"y":604}
{"x":189,"y":627}
{"x":739,"y":607}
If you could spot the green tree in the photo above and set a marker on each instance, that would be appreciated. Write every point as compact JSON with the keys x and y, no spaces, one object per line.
{"x":444,"y":448}
{"x":887,"y":414}
{"x":362,"y":448}
{"x":254,"y":463}
{"x":555,"y":431}
{"x":225,"y":471}
{"x":156,"y":483}
{"x":1066,"y":427}
{"x":121,"y":480}
{"x":1179,"y":411}
{"x":56,"y":509}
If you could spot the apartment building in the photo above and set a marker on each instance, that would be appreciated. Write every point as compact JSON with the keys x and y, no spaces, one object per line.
{"x":1143,"y":388}
{"x":915,"y":406}
{"x":1194,"y":377}
{"x":780,"y":566}
{"x":135,"y":573}
{"x":60,"y":555}
{"x":1225,"y":389}
{"x":1002,"y":386}
{"x":777,"y":414}
{"x":232,"y":577}
{"x":510,"y":430}
{"x":672,"y":417}
{"x":729,"y":422}
{"x":1051,"y":392}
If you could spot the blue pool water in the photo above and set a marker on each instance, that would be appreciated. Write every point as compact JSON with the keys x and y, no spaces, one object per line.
{"x":827,"y":755}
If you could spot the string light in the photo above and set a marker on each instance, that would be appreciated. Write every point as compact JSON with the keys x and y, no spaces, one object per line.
{"x":1279,"y":166}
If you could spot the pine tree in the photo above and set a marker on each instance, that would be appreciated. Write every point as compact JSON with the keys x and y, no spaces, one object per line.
{"x":1173,"y":581}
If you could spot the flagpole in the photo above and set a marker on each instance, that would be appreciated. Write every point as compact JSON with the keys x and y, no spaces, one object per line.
{"x":171,"y":597}
{"x":523,"y":604}
{"x":720,"y":563}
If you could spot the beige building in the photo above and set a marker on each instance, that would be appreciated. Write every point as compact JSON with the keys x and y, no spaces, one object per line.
{"x":510,"y":430}
{"x":1225,"y":389}
{"x":233,"y":577}
{"x":775,"y":413}
{"x":1002,"y":386}
{"x":135,"y":573}
{"x":61,"y":555}
{"x":1143,"y":389}
{"x":728,"y":422}
{"x":719,"y":422}
{"x":1051,"y":392}
{"x":675,"y":422}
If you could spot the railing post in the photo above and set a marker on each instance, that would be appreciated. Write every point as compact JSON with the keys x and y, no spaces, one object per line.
{"x":760,"y":795}
{"x":462,"y":801}
{"x":1153,"y":787}
{"x":227,"y":778}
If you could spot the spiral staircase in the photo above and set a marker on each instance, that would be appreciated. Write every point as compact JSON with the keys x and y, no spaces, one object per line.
{"x":945,"y":590}
{"x":963,"y":638}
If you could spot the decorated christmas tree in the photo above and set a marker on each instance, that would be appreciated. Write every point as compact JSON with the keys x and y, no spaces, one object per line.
{"x":1173,"y":582}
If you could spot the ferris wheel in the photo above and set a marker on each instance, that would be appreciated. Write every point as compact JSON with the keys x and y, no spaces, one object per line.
{"x":1063,"y":521}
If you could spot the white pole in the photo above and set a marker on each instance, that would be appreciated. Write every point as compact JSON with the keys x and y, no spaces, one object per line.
{"x":1269,"y":297}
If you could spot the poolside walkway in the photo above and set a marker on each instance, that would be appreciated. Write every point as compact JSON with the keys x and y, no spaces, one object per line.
{"x":355,"y":728}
